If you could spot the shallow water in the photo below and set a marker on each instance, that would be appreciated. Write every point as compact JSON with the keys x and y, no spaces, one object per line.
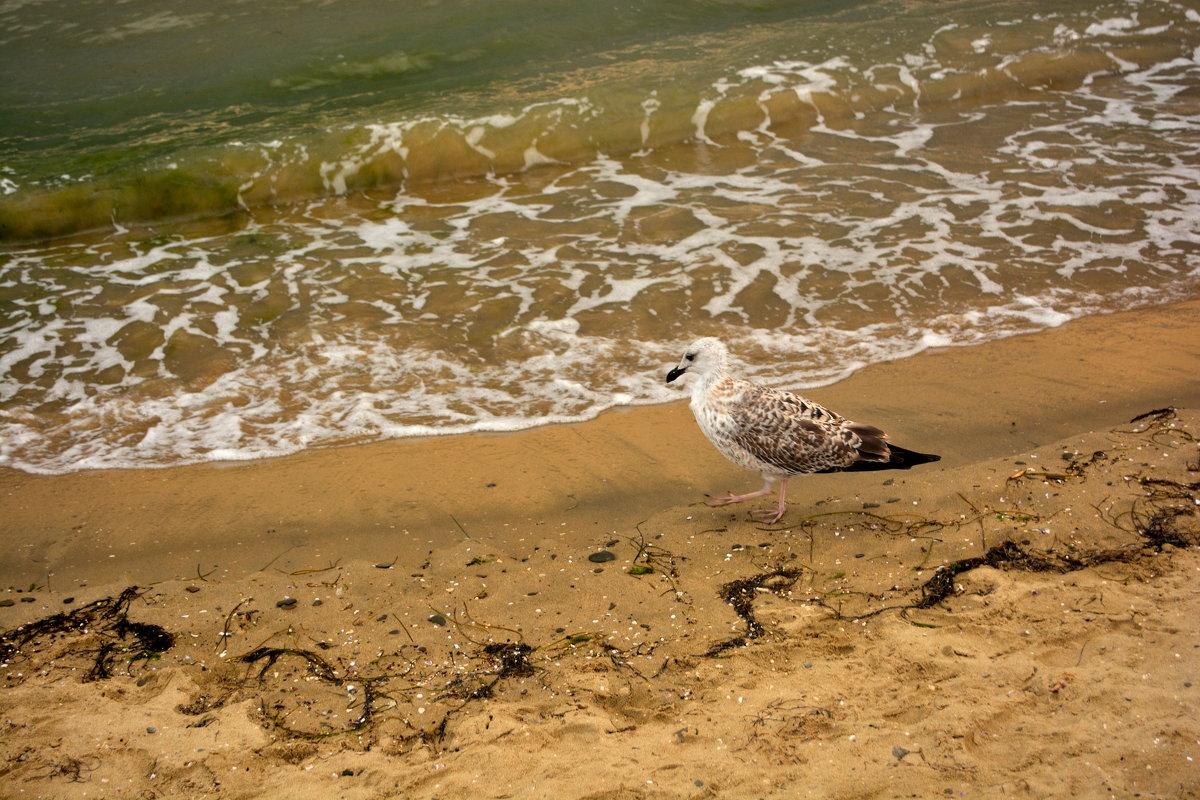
{"x":485,"y":219}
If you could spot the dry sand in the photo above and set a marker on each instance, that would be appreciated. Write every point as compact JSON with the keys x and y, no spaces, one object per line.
{"x":425,"y":619}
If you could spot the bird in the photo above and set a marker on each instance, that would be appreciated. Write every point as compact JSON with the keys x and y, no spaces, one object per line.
{"x":776,"y":433}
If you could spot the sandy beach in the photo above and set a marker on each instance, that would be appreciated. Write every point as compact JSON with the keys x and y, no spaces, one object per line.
{"x":557,"y":614}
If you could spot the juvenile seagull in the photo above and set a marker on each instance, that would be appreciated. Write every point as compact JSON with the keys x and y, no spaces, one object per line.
{"x":778,"y":434}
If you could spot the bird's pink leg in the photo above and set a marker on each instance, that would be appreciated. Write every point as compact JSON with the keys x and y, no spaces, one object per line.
{"x":737,"y":498}
{"x":771,"y":517}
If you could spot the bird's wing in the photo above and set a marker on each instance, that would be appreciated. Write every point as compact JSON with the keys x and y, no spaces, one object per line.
{"x":798,"y":436}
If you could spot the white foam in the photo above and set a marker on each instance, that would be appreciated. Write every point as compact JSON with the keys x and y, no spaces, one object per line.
{"x":870,"y":237}
{"x":700,"y":120}
{"x":535,"y":158}
{"x":474,"y":136}
{"x":931,"y":339}
{"x":1114,"y":26}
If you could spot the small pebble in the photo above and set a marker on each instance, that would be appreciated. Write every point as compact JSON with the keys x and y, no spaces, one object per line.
{"x":600,"y":556}
{"x":191,"y":589}
{"x":859,"y":555}
{"x":287,"y":602}
{"x":28,"y":599}
{"x":381,"y":618}
{"x":152,"y":730}
{"x":899,"y":752}
{"x":870,"y":505}
{"x":437,"y":619}
{"x":6,"y":602}
{"x":318,"y":602}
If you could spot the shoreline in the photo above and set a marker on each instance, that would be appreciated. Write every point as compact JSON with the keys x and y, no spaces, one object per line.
{"x":399,"y":499}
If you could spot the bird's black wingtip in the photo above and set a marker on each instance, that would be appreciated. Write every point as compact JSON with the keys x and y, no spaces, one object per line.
{"x":898,"y":458}
{"x":904,"y":458}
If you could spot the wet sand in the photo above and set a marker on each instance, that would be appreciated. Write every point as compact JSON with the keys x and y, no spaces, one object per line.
{"x":437,"y":618}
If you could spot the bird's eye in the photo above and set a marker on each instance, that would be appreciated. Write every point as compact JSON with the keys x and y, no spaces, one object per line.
{"x":690,"y":356}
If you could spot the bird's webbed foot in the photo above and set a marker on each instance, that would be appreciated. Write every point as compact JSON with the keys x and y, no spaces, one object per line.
{"x":731,"y":498}
{"x":725,"y":500}
{"x":768,"y":516}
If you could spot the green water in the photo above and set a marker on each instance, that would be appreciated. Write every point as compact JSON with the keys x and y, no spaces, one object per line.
{"x":96,"y":90}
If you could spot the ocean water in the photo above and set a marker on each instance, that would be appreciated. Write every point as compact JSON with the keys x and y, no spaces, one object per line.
{"x":235,"y":230}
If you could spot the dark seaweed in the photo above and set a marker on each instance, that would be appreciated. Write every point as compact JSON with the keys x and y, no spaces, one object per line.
{"x":741,"y":594}
{"x":107,"y":618}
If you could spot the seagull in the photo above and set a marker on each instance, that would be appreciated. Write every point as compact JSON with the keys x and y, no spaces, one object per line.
{"x":778,"y":434}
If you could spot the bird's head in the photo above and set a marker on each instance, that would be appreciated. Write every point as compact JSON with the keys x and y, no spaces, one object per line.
{"x":704,"y":357}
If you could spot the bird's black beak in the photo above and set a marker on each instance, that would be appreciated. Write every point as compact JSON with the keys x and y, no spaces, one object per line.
{"x":675,"y":373}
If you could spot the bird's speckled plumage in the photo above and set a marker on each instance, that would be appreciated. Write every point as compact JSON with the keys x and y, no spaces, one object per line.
{"x":778,"y":434}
